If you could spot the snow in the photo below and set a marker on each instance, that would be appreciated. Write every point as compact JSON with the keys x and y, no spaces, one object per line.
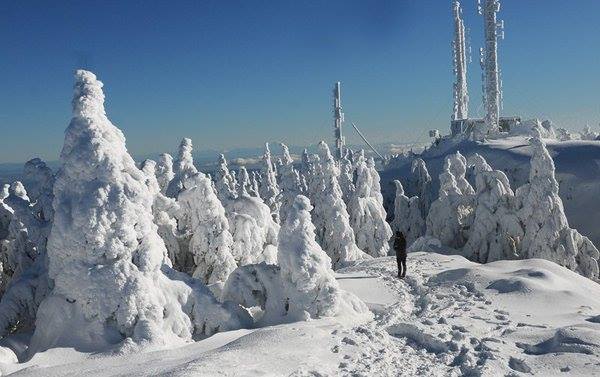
{"x":449,"y":317}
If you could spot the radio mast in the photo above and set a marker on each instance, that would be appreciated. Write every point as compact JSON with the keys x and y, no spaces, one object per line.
{"x":492,"y":92}
{"x":461,"y":95}
{"x":338,"y":120}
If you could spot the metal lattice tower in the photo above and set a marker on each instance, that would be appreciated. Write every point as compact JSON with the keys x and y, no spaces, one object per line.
{"x":461,"y":94}
{"x":492,"y":86}
{"x":338,"y":120}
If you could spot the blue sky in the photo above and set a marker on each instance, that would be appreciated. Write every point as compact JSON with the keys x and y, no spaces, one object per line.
{"x":237,"y":73}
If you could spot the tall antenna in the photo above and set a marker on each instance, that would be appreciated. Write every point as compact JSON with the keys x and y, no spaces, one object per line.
{"x":492,"y":92}
{"x":461,"y":95}
{"x":338,"y":120}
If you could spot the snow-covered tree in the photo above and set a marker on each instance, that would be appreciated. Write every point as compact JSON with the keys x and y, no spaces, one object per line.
{"x":211,"y":243}
{"x":166,"y":211}
{"x":244,"y":183}
{"x":423,"y":185}
{"x":407,"y":215}
{"x":457,"y":165}
{"x":108,"y":265}
{"x":40,"y":179}
{"x":290,"y":183}
{"x":225,"y":183}
{"x":496,"y":230}
{"x":547,"y":233}
{"x":347,"y":178}
{"x":164,"y":171}
{"x":303,"y":286}
{"x":367,"y":215}
{"x":450,"y":213}
{"x":269,"y":190}
{"x":182,"y":169}
{"x":330,"y":215}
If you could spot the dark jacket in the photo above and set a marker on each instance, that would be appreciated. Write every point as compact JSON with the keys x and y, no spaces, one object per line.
{"x":400,"y":246}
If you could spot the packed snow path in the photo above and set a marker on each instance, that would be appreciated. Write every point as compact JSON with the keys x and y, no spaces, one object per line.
{"x":448,"y":317}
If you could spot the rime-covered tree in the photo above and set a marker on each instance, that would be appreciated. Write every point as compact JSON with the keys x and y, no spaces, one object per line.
{"x":407,"y":215}
{"x":347,"y":178}
{"x":290,"y":183}
{"x":303,"y":286}
{"x":211,"y":243}
{"x":183,"y":168}
{"x":423,"y":185}
{"x":269,"y":190}
{"x":225,"y":184}
{"x":457,"y":165}
{"x":367,"y":215}
{"x":164,"y":171}
{"x":111,"y":283}
{"x":547,"y":233}
{"x":330,"y":215}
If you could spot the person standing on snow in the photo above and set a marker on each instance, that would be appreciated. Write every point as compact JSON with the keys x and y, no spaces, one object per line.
{"x":400,"y":249}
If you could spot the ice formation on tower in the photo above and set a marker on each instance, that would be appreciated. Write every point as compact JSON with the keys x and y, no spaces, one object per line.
{"x":492,"y":88}
{"x":302,"y":286}
{"x":461,"y":96}
{"x":108,"y":266}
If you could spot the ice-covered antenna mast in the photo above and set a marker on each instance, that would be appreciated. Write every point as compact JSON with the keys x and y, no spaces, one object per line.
{"x":338,"y":120}
{"x":492,"y":95}
{"x":461,"y":95}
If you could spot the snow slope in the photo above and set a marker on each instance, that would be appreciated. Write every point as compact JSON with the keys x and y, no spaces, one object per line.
{"x":449,"y":317}
{"x":577,"y":170}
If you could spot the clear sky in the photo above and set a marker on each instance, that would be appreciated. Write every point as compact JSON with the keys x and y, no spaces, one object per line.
{"x":237,"y":73}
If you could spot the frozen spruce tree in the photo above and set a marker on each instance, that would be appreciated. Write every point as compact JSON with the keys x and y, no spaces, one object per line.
{"x":290,"y":183}
{"x":496,"y":230}
{"x":547,"y":233}
{"x":211,"y":243}
{"x":183,"y":168}
{"x":165,"y":212}
{"x":244,"y":183}
{"x":164,"y":171}
{"x":367,"y":215}
{"x":347,"y":178}
{"x":450,"y":214}
{"x":407,"y":215}
{"x":111,"y":281}
{"x":40,"y":180}
{"x":332,"y":222}
{"x":269,"y":190}
{"x":303,"y":286}
{"x":457,"y":165}
{"x":423,"y":185}
{"x":225,"y":183}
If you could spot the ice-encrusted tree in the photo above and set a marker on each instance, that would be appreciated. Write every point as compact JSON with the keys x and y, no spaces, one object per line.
{"x":367,"y":215}
{"x":211,"y":243}
{"x":40,"y":179}
{"x":495,"y":231}
{"x":182,"y":169}
{"x":423,"y":185}
{"x":302,"y":286}
{"x":290,"y":183}
{"x":244,"y":183}
{"x":164,"y":171}
{"x":407,"y":215}
{"x":457,"y":165}
{"x":547,"y":233}
{"x":347,"y":178}
{"x":449,"y":214}
{"x":269,"y":190}
{"x":111,"y":283}
{"x":330,"y":215}
{"x":165,"y":212}
{"x":225,"y":184}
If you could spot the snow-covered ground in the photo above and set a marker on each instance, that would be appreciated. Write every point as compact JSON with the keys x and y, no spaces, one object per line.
{"x":449,"y":317}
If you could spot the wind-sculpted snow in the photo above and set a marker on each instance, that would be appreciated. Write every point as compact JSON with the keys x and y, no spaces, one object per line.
{"x":109,"y":267}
